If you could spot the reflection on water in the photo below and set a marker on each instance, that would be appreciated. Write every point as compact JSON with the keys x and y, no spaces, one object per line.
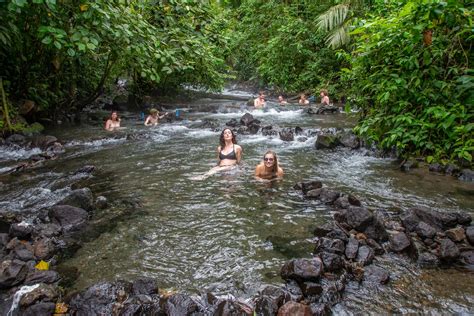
{"x":230,"y":233}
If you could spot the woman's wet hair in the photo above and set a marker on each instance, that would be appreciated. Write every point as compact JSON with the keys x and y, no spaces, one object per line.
{"x":154,"y":111}
{"x":112,"y":113}
{"x":222,"y":141}
{"x":324,"y":91}
{"x":275,"y":161}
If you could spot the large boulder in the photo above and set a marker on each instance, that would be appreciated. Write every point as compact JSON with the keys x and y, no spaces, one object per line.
{"x":70,"y":218}
{"x":81,"y":198}
{"x":287,"y":135}
{"x":348,"y":139}
{"x":358,"y":218}
{"x":12,"y":272}
{"x":326,"y":141}
{"x":302,"y":269}
{"x":246,"y":119}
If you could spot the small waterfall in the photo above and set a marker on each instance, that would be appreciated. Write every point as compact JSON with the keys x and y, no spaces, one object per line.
{"x":18,"y":294}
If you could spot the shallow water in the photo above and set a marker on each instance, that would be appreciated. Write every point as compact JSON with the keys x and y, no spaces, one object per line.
{"x":230,"y":233}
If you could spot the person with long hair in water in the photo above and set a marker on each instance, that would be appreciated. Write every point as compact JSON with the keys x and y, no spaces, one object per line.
{"x":154,"y":117}
{"x":269,"y":168}
{"x":229,"y":154}
{"x":113,"y":122}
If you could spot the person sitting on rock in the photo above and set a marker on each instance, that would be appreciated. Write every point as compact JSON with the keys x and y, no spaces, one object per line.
{"x":324,"y":97}
{"x":154,"y":117}
{"x":113,"y":122}
{"x":281,"y":100}
{"x":269,"y":168}
{"x":303,"y":100}
{"x":259,"y":102}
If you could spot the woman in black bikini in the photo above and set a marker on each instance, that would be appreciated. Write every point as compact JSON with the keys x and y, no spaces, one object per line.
{"x":229,"y":154}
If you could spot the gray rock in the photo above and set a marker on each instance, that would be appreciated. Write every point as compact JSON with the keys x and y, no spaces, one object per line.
{"x":427,"y":260}
{"x":467,"y":175}
{"x":311,"y":185}
{"x":81,"y":198}
{"x":12,"y":272}
{"x":24,"y":254}
{"x":21,"y":230}
{"x":358,"y":218}
{"x":365,"y":255}
{"x":70,"y":218}
{"x":42,"y":308}
{"x":448,"y":250}
{"x":330,"y":245}
{"x":425,"y":231}
{"x":320,"y":309}
{"x":311,"y":288}
{"x":180,"y":304}
{"x":302,"y":269}
{"x":436,"y":167}
{"x":467,"y":257}
{"x":146,"y":286}
{"x":101,"y":202}
{"x":399,"y":242}
{"x":351,"y":248}
{"x":246,"y":119}
{"x":313,"y":194}
{"x":456,"y":234}
{"x":470,"y":234}
{"x":44,"y":293}
{"x":287,"y":135}
{"x":348,"y":139}
{"x":376,"y":275}
{"x":38,"y":276}
{"x":326,"y":142}
{"x":328,"y":196}
{"x":43,"y":141}
{"x":331,"y":261}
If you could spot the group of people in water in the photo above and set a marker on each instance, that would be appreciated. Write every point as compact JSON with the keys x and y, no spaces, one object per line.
{"x":260,"y":102}
{"x":113,"y":122}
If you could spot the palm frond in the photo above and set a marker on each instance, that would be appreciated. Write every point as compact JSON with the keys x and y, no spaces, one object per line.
{"x":338,"y":37}
{"x":333,"y":17}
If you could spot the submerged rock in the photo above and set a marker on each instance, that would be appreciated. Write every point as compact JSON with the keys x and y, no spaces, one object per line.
{"x":246,"y":119}
{"x":81,"y":198}
{"x":70,"y":218}
{"x":326,"y":142}
{"x":287,"y":135}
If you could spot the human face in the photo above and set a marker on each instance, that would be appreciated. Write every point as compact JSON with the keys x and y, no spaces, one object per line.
{"x":114,"y":116}
{"x":269,"y":160}
{"x":227,"y":134}
{"x":262,"y":97}
{"x":280,"y":98}
{"x":321,"y":94}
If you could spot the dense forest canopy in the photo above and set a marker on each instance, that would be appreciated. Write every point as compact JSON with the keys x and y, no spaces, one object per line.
{"x":404,"y":65}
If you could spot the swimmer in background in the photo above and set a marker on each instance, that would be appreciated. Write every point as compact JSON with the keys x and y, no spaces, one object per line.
{"x":113,"y":122}
{"x":269,"y":169}
{"x":229,"y":154}
{"x":303,"y":100}
{"x":324,"y":97}
{"x":281,"y":100}
{"x":154,"y":117}
{"x":259,"y":102}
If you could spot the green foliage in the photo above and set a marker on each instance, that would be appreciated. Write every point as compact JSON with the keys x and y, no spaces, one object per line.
{"x":62,"y":54}
{"x":279,"y":44}
{"x":416,"y":95}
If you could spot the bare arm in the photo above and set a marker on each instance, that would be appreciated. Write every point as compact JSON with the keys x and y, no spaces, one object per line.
{"x":147,"y":121}
{"x":218,"y":158}
{"x":238,"y":153}
{"x":108,"y":125}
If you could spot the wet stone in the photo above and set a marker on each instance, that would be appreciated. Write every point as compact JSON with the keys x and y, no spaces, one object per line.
{"x":302,"y":269}
{"x":436,"y":167}
{"x":145,"y":286}
{"x":337,"y":234}
{"x":101,"y":202}
{"x":43,"y":292}
{"x":376,"y":275}
{"x":180,"y":304}
{"x":331,"y":261}
{"x":467,"y":175}
{"x":265,"y":305}
{"x":294,"y":290}
{"x":311,"y":185}
{"x":70,"y":218}
{"x":44,"y":248}
{"x":427,"y":260}
{"x":231,"y":307}
{"x":81,"y":198}
{"x":322,"y":231}
{"x":4,"y":239}
{"x":311,"y":288}
{"x":246,"y":119}
{"x":21,"y":230}
{"x":399,"y":242}
{"x":293,"y":308}
{"x":351,"y":248}
{"x":287,"y":135}
{"x":330,"y":245}
{"x":456,"y":234}
{"x":467,"y":257}
{"x":328,"y":196}
{"x":365,"y":255}
{"x":378,"y":249}
{"x":448,"y":250}
{"x":313,"y":194}
{"x":358,"y":217}
{"x":425,"y":231}
{"x":12,"y":272}
{"x":24,"y":254}
{"x":320,"y":309}
{"x":470,"y":234}
{"x":43,"y":308}
{"x":38,"y":276}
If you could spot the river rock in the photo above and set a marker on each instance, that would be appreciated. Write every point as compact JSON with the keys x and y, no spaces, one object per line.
{"x":270,"y":299}
{"x":456,"y":234}
{"x":46,"y":308}
{"x":47,"y":230}
{"x":12,"y":272}
{"x":399,"y":241}
{"x":345,"y":201}
{"x":448,"y":250}
{"x":452,"y":170}
{"x":24,"y":254}
{"x":467,"y":175}
{"x":292,"y":287}
{"x":351,"y":248}
{"x":246,"y":119}
{"x":269,"y":131}
{"x":331,"y":261}
{"x":100,"y":202}
{"x":293,"y":308}
{"x":323,"y":230}
{"x":44,"y":292}
{"x":328,"y":196}
{"x":470,"y":234}
{"x":365,"y":255}
{"x":320,"y":309}
{"x":99,"y":299}
{"x":253,"y":128}
{"x":436,"y":167}
{"x":180,"y":304}
{"x":142,"y":305}
{"x":348,"y":139}
{"x":70,"y":218}
{"x":358,"y":218}
{"x":85,"y":169}
{"x":425,"y":231}
{"x":21,"y":230}
{"x":467,"y":257}
{"x":39,"y":276}
{"x":326,"y":141}
{"x":81,"y":198}
{"x":310,"y":185}
{"x":427,"y":260}
{"x":438,"y":220}
{"x":287,"y":135}
{"x":232,"y":123}
{"x":376,"y":275}
{"x":302,"y":269}
{"x":311,"y":288}
{"x":330,"y":245}
{"x":16,"y":139}
{"x":146,"y":286}
{"x":409,"y":164}
{"x":43,"y":141}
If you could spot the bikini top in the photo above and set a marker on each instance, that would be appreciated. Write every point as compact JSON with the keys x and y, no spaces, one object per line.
{"x":230,"y":156}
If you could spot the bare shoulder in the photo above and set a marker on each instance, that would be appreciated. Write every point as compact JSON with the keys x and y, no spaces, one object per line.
{"x":218,"y":148}
{"x":238,"y":147}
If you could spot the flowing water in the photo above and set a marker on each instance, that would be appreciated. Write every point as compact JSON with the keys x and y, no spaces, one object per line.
{"x":230,"y":233}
